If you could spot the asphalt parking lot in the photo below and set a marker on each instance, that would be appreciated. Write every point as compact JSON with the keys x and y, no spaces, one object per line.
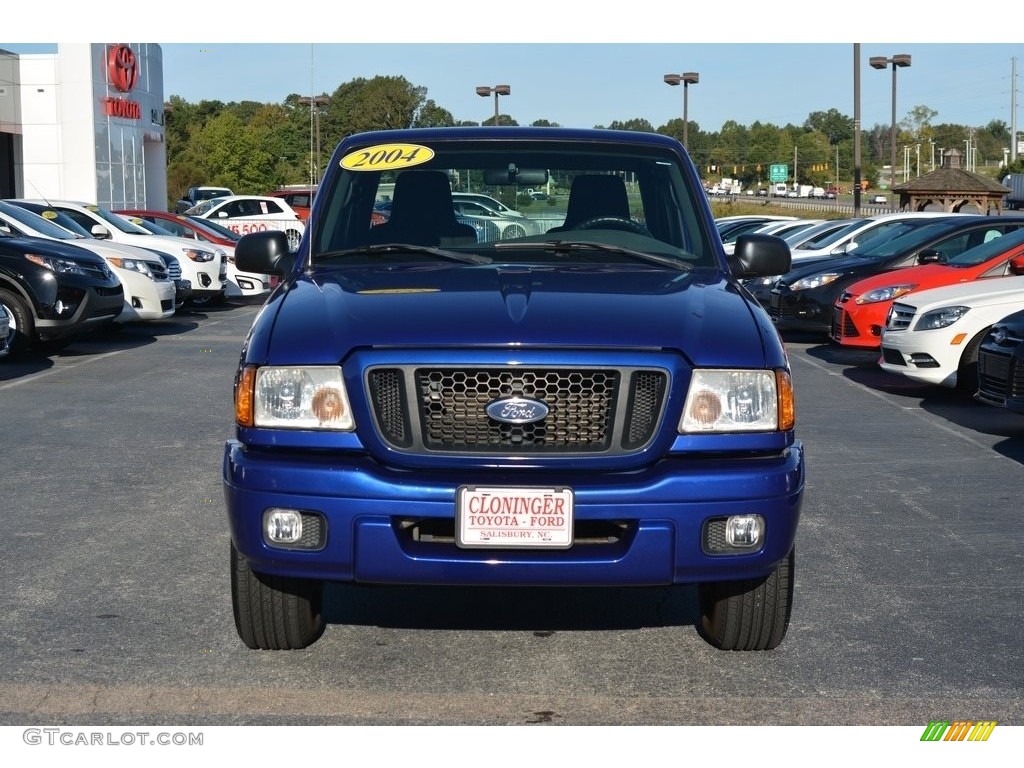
{"x":117,"y":607}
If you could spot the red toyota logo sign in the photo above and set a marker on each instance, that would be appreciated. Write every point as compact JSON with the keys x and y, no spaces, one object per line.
{"x":122,"y":67}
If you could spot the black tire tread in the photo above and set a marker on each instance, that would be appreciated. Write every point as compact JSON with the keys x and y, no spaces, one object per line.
{"x":273,"y":612}
{"x":25,"y":337}
{"x":751,"y":614}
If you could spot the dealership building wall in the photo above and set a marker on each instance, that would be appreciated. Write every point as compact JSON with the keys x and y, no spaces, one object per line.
{"x":74,"y":126}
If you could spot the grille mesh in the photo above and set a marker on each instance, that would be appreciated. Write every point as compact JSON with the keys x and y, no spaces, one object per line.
{"x":453,"y":401}
{"x":445,"y":409}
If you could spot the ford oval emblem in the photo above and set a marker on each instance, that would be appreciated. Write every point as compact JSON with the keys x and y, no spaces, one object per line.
{"x":516,"y":410}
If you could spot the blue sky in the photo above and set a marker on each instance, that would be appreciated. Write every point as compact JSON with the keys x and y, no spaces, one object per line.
{"x":606,"y":68}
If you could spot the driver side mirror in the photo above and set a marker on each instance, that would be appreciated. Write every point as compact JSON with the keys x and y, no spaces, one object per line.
{"x":929,"y":256}
{"x":100,"y":232}
{"x":1017,"y":265}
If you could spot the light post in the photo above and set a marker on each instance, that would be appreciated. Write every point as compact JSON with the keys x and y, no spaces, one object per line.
{"x":314,"y":103}
{"x":498,"y":90}
{"x":881,"y":62}
{"x":686,"y":78}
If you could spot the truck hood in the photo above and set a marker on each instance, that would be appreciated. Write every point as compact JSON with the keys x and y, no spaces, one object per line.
{"x":321,"y":318}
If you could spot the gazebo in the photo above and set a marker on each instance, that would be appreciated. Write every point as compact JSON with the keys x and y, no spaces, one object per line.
{"x":951,"y":188}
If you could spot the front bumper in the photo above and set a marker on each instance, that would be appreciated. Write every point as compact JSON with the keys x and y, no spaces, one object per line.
{"x":144,"y":298}
{"x":855,"y":325}
{"x":925,"y":356}
{"x":369,"y":510}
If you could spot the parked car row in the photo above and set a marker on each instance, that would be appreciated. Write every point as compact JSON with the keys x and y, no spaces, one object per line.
{"x":67,"y":267}
{"x":940,"y":296}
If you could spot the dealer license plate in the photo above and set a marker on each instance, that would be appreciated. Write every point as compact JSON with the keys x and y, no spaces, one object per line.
{"x":505,"y":518}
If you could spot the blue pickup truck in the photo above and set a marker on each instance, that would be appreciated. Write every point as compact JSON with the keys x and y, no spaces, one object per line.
{"x":600,"y":404}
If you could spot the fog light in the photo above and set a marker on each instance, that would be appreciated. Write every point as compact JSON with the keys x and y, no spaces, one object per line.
{"x":282,"y":526}
{"x":744,"y":531}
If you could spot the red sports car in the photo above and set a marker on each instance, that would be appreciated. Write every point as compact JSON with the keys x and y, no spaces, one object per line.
{"x":861,"y":310}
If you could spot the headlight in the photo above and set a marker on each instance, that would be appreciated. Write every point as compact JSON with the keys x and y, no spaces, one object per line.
{"x":738,"y":401}
{"x":940,"y":318}
{"x":762,"y":282}
{"x":814,"y":281}
{"x":134,"y":265}
{"x":56,"y":264}
{"x":198,"y":254}
{"x":885,"y":294}
{"x":300,"y":397}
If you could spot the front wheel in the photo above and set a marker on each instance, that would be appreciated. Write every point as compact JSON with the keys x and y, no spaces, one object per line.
{"x":21,"y":325}
{"x":751,"y":614}
{"x":274,"y":613}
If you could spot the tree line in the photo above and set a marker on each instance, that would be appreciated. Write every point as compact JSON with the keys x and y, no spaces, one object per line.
{"x":253,"y":147}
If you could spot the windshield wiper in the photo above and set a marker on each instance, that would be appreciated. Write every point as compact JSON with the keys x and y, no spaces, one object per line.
{"x":440,"y":253}
{"x":569,"y":246}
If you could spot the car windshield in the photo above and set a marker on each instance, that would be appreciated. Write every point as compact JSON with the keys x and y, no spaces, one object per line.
{"x":810,"y":237}
{"x":205,"y":225}
{"x":38,"y":224}
{"x":209,"y":194}
{"x":203,"y":207}
{"x":631,"y":199}
{"x":118,"y":222}
{"x":995,"y":247}
{"x":911,"y":235}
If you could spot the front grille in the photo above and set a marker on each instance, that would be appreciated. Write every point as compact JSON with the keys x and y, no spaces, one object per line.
{"x":842,"y":325}
{"x":159,"y":270}
{"x":173,"y":267}
{"x":900,"y":317}
{"x":590,"y":410}
{"x":1000,"y":375}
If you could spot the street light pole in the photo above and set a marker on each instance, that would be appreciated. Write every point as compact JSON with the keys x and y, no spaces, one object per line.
{"x":502,"y":90}
{"x":881,"y":62}
{"x":686,"y":78}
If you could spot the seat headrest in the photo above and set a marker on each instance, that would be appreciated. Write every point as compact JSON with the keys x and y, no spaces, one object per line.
{"x":596,"y":195}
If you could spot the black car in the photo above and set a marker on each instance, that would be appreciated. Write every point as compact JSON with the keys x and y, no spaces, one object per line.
{"x":1001,"y":364}
{"x":803,"y":299}
{"x":52,"y":290}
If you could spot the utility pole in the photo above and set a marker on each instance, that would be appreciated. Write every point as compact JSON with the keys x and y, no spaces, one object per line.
{"x":856,"y":129}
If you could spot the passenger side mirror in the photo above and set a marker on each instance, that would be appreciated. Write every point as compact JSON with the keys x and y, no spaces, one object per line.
{"x":929,"y":256}
{"x":100,"y":232}
{"x":1017,"y":265}
{"x":264,"y":253}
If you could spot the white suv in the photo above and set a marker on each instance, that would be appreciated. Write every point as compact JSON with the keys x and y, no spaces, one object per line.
{"x":204,"y":267}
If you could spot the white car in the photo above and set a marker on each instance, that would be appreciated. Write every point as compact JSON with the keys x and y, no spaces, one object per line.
{"x":496,"y":225}
{"x":148,"y":289}
{"x":203,"y":267}
{"x":243,"y":214}
{"x":212,"y":235}
{"x":932,"y":336}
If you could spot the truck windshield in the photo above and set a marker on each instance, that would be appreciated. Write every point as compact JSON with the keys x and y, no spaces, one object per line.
{"x":634,"y":197}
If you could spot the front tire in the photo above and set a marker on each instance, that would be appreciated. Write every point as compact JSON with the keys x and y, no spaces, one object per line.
{"x":21,"y":332}
{"x":751,"y":614}
{"x":274,"y":613}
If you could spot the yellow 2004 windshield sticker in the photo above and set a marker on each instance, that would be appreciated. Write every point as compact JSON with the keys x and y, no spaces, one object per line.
{"x":386,"y":157}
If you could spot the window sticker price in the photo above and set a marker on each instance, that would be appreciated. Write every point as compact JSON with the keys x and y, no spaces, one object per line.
{"x":387,"y":157}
